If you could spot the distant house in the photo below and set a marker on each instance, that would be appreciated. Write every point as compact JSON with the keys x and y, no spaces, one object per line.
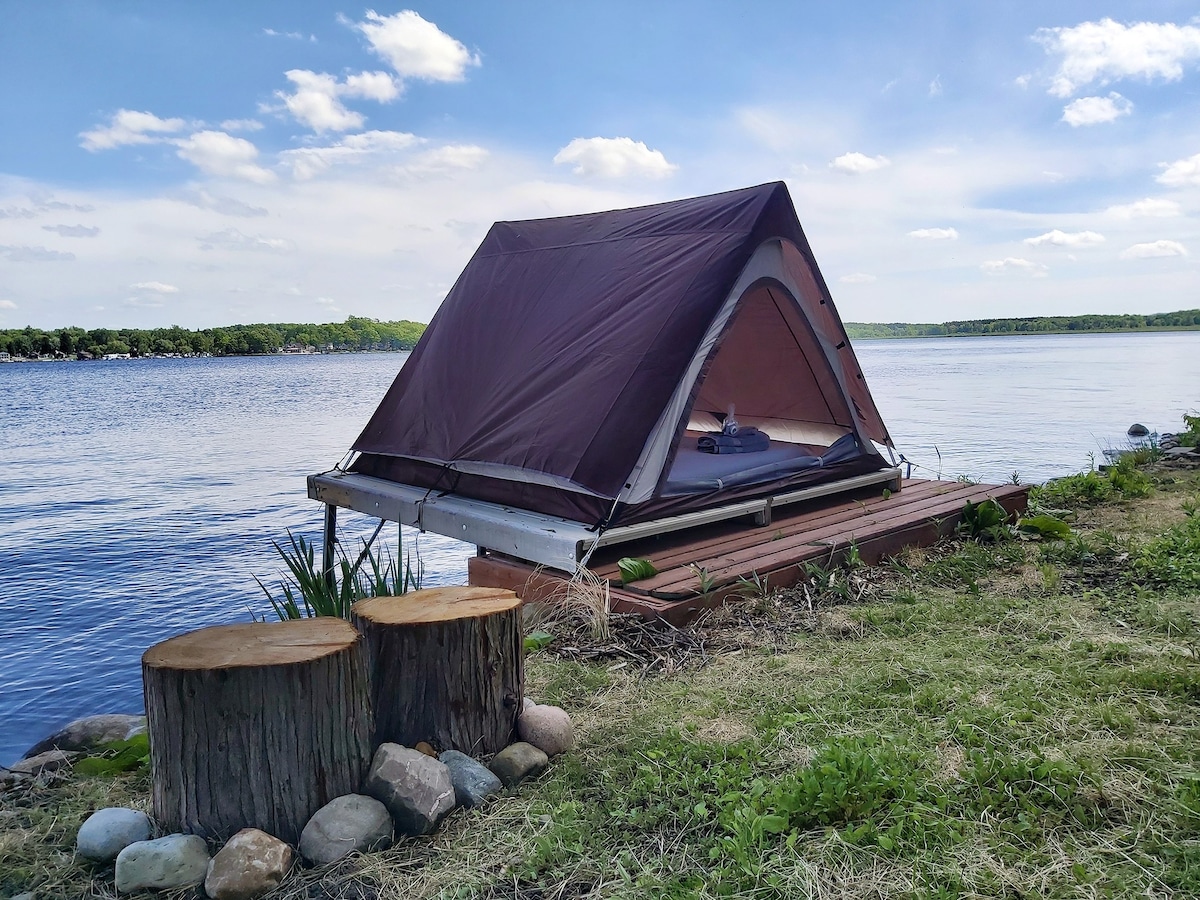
{"x":5,"y":356}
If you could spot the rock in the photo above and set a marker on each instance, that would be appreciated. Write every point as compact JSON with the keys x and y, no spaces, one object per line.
{"x":426,"y":748}
{"x":83,"y":734}
{"x":174,"y":861}
{"x":526,"y":703}
{"x":473,"y":781}
{"x":250,"y":864}
{"x":28,"y":895}
{"x":107,"y":832}
{"x":1137,"y":430}
{"x":1179,"y":452}
{"x":343,"y":825}
{"x":415,"y":788}
{"x":46,"y":761}
{"x":518,"y":761}
{"x":548,"y":728}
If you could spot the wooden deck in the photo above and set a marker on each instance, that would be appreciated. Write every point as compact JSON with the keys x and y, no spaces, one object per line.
{"x":878,"y":525}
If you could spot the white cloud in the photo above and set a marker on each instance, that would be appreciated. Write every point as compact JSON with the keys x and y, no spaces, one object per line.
{"x":294,"y":35}
{"x":614,"y":158}
{"x":1058,"y":238}
{"x":1096,"y":110}
{"x":449,"y":158}
{"x":308,"y":162}
{"x":128,"y":126}
{"x":416,"y":48}
{"x":857,"y":278}
{"x":1013,"y":265}
{"x":72,"y":230}
{"x":1151,"y":207}
{"x":33,"y":254}
{"x":226,"y":206}
{"x":1154,"y":249}
{"x":1105,"y":51}
{"x":224,"y":155}
{"x":156,"y":287}
{"x":935,"y":86}
{"x":935,"y":234}
{"x":379,"y":86}
{"x":143,"y":302}
{"x":315,"y":102}
{"x":859,"y":163}
{"x":1181,"y":173}
{"x":232,"y":239}
{"x":7,"y":304}
{"x":241,"y":125}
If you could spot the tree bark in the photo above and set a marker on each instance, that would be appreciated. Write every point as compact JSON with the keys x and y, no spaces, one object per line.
{"x":447,"y":667}
{"x":259,"y":725}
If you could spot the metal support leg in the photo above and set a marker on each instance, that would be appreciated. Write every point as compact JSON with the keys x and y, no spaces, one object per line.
{"x":328,"y":569}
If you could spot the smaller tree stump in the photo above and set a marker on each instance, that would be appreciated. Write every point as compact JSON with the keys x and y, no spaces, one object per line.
{"x":447,"y":667}
{"x":256,"y":725}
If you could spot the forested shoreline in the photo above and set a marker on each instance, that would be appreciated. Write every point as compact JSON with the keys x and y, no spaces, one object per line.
{"x":363,"y":334}
{"x":1182,"y":319}
{"x":355,"y":334}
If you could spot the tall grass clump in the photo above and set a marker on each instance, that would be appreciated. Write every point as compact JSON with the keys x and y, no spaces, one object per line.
{"x":307,"y":590}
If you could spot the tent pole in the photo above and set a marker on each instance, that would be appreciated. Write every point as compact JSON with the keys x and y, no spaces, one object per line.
{"x":328,"y":571}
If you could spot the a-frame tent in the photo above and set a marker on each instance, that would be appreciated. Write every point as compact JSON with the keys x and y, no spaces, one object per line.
{"x":574,"y":364}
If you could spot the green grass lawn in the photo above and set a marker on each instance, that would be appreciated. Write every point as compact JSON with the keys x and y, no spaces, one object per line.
{"x":1011,"y":719}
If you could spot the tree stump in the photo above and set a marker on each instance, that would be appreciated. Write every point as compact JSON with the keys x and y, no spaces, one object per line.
{"x":447,"y":667}
{"x":256,"y":725}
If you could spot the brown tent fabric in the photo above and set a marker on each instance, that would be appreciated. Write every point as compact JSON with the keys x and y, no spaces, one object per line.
{"x":559,"y":372}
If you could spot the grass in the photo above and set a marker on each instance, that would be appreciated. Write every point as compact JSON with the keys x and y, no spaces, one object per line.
{"x":1018,"y":718}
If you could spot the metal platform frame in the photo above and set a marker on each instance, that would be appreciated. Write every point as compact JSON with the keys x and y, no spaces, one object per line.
{"x":544,"y":540}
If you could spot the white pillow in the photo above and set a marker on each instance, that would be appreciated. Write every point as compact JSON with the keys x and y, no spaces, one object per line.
{"x":703,"y":421}
{"x":792,"y":432}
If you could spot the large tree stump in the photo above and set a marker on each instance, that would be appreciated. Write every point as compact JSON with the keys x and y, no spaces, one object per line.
{"x":447,"y":667}
{"x":256,"y":725}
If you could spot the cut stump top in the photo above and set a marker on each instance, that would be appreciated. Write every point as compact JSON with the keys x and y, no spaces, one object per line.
{"x":253,"y":644}
{"x":442,"y":604}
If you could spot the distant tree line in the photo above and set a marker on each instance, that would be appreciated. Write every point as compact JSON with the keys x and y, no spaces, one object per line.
{"x":1186,"y":318}
{"x":355,"y":333}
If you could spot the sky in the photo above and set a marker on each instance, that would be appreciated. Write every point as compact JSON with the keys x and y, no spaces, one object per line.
{"x":216,"y":163}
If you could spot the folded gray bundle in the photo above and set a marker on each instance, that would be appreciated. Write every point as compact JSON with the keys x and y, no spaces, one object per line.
{"x":747,"y":440}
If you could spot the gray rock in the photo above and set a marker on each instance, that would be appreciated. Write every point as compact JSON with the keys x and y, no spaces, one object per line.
{"x":548,"y":728}
{"x":83,"y":734}
{"x":473,"y":781}
{"x":28,"y":895}
{"x":415,"y":788}
{"x":107,"y":832}
{"x":248,"y":866}
{"x":344,"y":825}
{"x":1137,"y":430}
{"x":1179,"y":452}
{"x":518,"y":761}
{"x":47,"y":761}
{"x":174,"y":861}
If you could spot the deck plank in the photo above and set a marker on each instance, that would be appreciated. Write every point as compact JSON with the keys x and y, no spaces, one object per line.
{"x":919,"y":514}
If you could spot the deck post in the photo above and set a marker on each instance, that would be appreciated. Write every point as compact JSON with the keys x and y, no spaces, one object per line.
{"x":328,"y":569}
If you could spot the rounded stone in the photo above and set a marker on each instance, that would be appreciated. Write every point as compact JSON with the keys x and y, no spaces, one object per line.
{"x":88,"y":732}
{"x":548,"y":728}
{"x":107,"y":832}
{"x":174,"y":861}
{"x":251,"y":863}
{"x":344,"y":825}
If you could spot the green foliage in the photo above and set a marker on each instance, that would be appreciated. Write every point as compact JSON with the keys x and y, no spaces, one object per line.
{"x":635,"y":569}
{"x":1123,"y":480}
{"x":1044,"y":526}
{"x":356,"y":333}
{"x":306,"y":592}
{"x":1184,"y":318}
{"x":538,"y":640}
{"x":705,"y":581}
{"x":756,"y":587}
{"x":1190,"y":437}
{"x":986,"y":522}
{"x":1172,"y":559}
{"x":117,"y":757}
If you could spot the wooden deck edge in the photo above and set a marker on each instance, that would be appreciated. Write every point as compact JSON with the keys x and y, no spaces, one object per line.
{"x":538,"y":584}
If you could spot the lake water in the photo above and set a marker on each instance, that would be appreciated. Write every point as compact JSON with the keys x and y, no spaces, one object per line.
{"x":139,"y":499}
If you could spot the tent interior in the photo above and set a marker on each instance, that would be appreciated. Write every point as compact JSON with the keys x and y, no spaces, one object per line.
{"x":769,"y":370}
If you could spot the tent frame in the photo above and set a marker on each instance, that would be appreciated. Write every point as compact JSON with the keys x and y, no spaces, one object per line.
{"x":545,"y":540}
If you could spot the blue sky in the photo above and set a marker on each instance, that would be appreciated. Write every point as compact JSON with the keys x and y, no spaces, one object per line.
{"x":211,"y":163}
